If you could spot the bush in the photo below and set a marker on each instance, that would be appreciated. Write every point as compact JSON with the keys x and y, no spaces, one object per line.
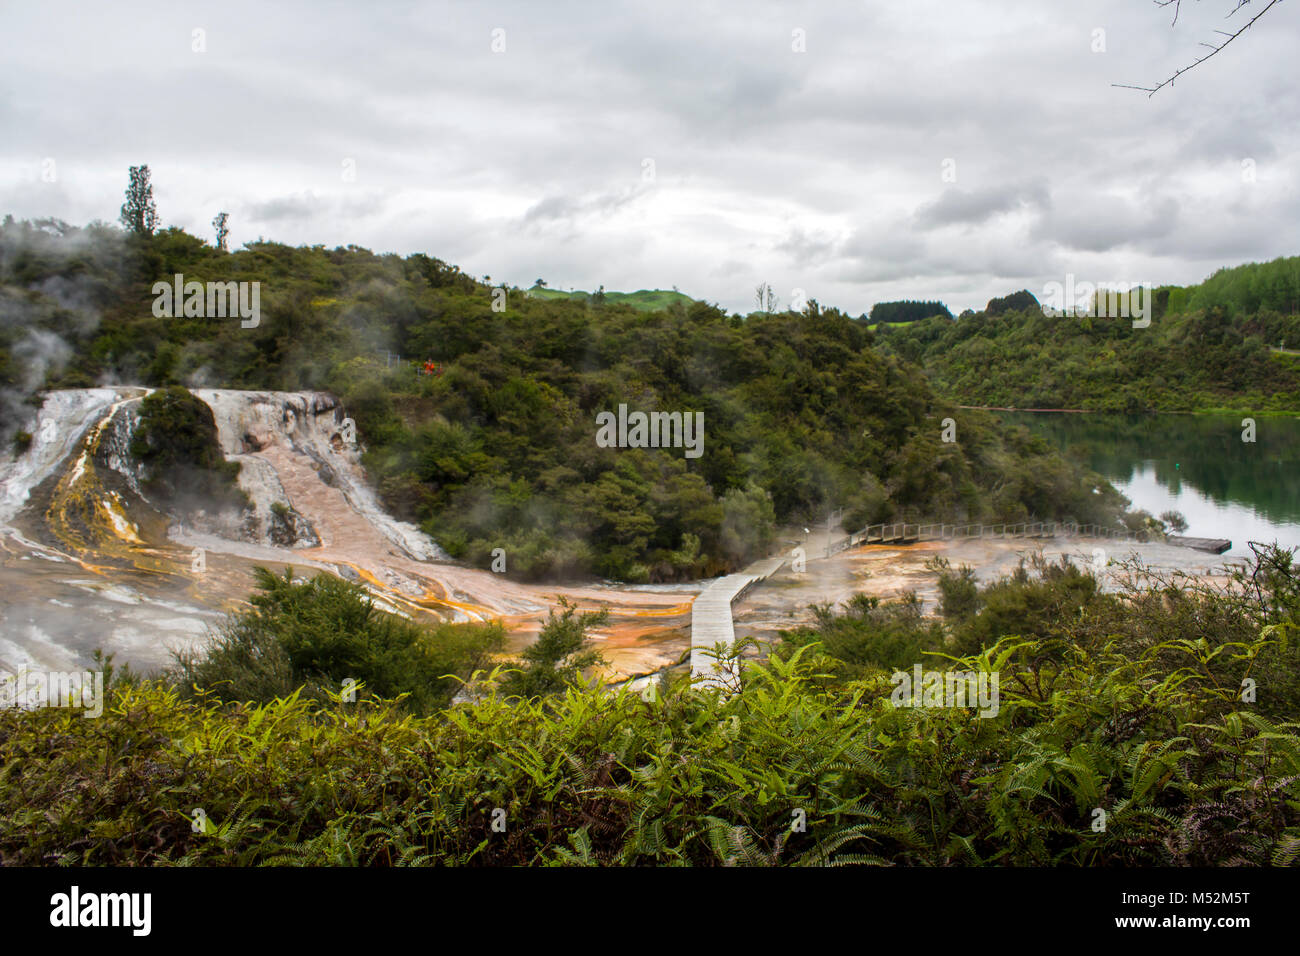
{"x":311,"y":636}
{"x":1039,"y":600}
{"x":870,"y":637}
{"x":595,"y":776}
{"x":959,"y":591}
{"x":1174,"y":521}
{"x":176,"y":444}
{"x":559,"y":655}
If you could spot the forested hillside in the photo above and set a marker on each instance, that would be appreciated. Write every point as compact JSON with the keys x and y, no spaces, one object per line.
{"x":478,"y":406}
{"x":1215,"y":345}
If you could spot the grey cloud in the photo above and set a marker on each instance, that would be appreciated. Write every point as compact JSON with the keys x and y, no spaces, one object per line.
{"x":301,"y":206}
{"x":805,"y":247}
{"x":958,"y":206}
{"x":572,"y":207}
{"x":765,"y":157}
{"x":1106,"y":222}
{"x":882,"y":254}
{"x":1231,"y":141}
{"x":308,"y":207}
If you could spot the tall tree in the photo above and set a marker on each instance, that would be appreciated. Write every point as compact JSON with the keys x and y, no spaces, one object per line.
{"x":139,"y":214}
{"x":219,"y":224}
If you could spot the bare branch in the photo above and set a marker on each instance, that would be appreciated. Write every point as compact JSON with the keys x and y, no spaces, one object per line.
{"x":1177,"y":4}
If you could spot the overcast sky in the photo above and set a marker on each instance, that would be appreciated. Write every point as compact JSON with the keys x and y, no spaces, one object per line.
{"x":647,"y":145}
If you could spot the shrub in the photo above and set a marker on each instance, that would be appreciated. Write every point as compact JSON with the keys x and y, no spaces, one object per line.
{"x":594,"y":776}
{"x":959,"y":591}
{"x":311,"y":636}
{"x":176,"y":444}
{"x":1174,"y":520}
{"x":559,"y":655}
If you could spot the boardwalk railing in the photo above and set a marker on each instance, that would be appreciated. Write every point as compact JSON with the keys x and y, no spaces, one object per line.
{"x":907,"y":533}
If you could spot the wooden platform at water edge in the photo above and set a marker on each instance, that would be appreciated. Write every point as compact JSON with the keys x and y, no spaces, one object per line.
{"x":906,"y":533}
{"x":1212,"y":545}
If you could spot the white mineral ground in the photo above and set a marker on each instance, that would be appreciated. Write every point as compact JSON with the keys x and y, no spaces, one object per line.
{"x":887,"y":571}
{"x":57,"y":605}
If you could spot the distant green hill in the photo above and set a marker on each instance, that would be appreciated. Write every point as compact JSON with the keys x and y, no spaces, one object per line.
{"x":1209,"y":346}
{"x":1249,"y":289}
{"x":647,"y":300}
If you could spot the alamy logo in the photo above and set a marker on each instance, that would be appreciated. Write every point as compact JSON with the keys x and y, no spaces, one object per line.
{"x":1114,"y":300}
{"x":653,"y":430}
{"x":215,"y":300}
{"x":102,"y":909}
{"x":74,"y":689}
{"x":923,"y":688}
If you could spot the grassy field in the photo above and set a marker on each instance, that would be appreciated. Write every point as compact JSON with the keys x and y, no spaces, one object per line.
{"x":648,"y":300}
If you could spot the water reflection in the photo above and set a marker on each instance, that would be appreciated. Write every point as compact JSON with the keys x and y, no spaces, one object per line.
{"x":1196,"y":464}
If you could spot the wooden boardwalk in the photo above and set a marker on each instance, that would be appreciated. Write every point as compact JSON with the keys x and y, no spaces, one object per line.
{"x":712,"y":624}
{"x":907,"y":533}
{"x":711,"y":621}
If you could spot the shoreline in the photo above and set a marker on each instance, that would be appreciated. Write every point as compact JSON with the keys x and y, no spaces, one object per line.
{"x":1217,"y":410}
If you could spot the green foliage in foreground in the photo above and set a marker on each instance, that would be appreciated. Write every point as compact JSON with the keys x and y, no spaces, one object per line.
{"x":1186,"y":774}
{"x":1144,"y":724}
{"x":1063,"y":609}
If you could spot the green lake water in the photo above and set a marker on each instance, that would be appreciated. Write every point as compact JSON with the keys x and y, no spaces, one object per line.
{"x":1196,"y":464}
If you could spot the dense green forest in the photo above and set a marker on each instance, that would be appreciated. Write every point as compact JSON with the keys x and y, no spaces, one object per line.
{"x":1208,"y":346}
{"x":906,"y":311}
{"x":495,"y":447}
{"x":1127,"y":709}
